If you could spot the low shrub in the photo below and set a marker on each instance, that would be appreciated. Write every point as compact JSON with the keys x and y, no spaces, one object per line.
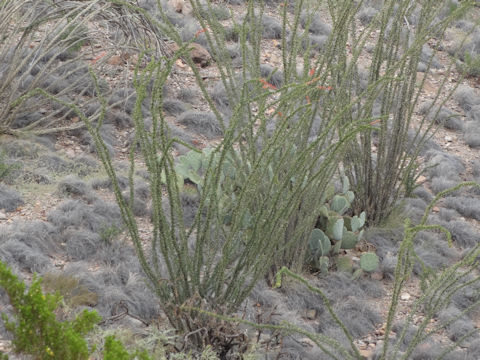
{"x":470,"y":66}
{"x":5,"y":168}
{"x":34,"y":326}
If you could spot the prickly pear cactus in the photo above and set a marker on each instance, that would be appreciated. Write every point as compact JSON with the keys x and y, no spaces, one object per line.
{"x":335,"y":230}
{"x":319,"y":246}
{"x":343,"y":230}
{"x":193,"y":165}
{"x":369,"y":262}
{"x":349,"y":240}
{"x":339,"y":204}
{"x":319,"y":243}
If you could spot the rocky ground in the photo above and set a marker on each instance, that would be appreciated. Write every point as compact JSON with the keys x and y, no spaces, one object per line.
{"x":59,"y":219}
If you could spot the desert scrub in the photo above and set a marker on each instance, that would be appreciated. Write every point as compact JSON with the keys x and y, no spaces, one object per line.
{"x":284,"y":141}
{"x":5,"y":168}
{"x":40,"y":45}
{"x":378,"y":176}
{"x":73,"y":293}
{"x":108,"y":233}
{"x":115,"y":350}
{"x":34,"y":325}
{"x":278,"y":175}
{"x":470,"y":65}
{"x":440,"y":290}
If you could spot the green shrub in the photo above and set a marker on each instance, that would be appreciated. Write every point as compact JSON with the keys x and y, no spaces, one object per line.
{"x":263,"y":188}
{"x":76,"y":36}
{"x":470,"y":66}
{"x":5,"y":168}
{"x":114,"y":350}
{"x":108,"y":233}
{"x":35,"y":328}
{"x":73,"y":293}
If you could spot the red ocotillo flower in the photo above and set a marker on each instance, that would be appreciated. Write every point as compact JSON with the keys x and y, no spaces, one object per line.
{"x":267,"y":85}
{"x":201,"y":31}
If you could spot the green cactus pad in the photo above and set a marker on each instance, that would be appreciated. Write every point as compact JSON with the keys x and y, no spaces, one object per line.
{"x":323,"y":210}
{"x":345,"y":184}
{"x":350,"y":196}
{"x":324,"y":263}
{"x":329,"y":224}
{"x":319,"y":243}
{"x":349,"y":240}
{"x":369,"y":262}
{"x":339,"y":204}
{"x":337,"y":247}
{"x":344,"y":263}
{"x":355,"y":223}
{"x":363,"y":217}
{"x":360,"y":235}
{"x":337,"y":230}
{"x":329,"y":192}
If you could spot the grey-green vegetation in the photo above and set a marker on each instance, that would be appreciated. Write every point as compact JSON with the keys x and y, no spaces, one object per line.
{"x":335,"y":231}
{"x":39,"y":49}
{"x":264,"y":199}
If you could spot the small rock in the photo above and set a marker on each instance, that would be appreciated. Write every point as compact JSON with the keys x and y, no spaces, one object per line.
{"x":177,"y":5}
{"x":311,"y":314}
{"x":377,"y":275}
{"x":405,"y":296}
{"x":448,"y":138}
{"x":366,"y":353}
{"x":275,"y":59}
{"x":3,"y":216}
{"x":180,"y":63}
{"x":361,"y":344}
{"x":134,"y":323}
{"x":115,"y":60}
{"x":200,"y":55}
{"x":5,"y":345}
{"x":70,"y":153}
{"x":307,"y":342}
{"x":421,"y":179}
